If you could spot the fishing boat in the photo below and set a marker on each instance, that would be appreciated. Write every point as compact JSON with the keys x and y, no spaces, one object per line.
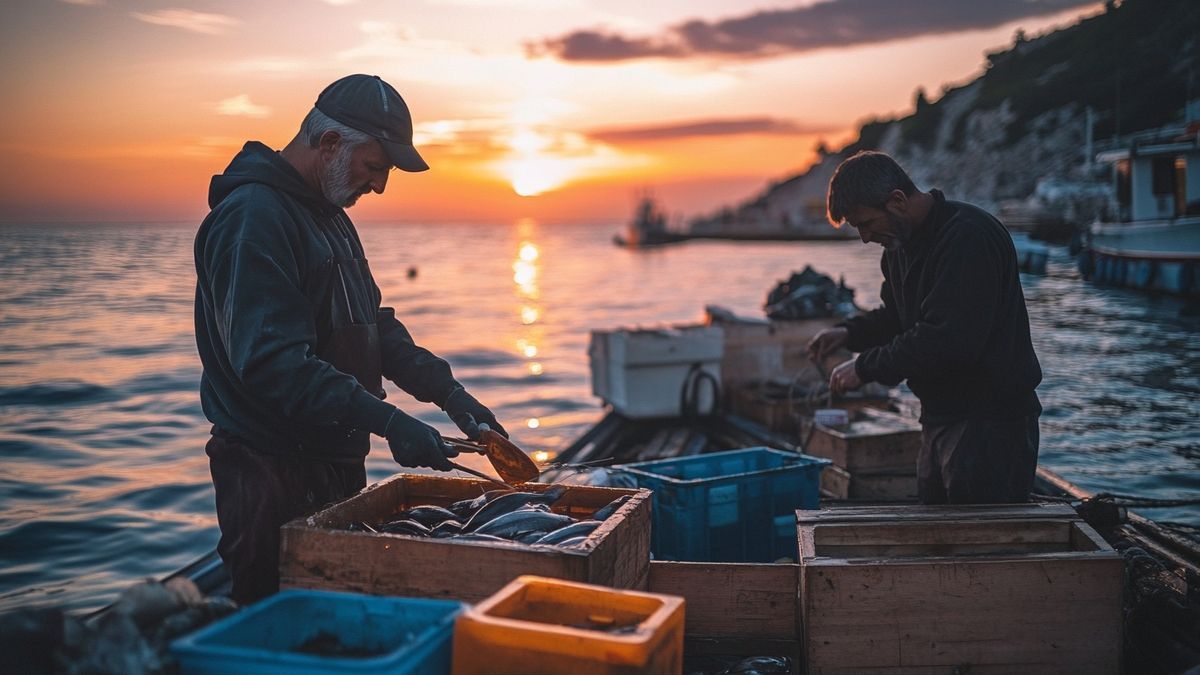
{"x":1154,"y":243}
{"x":1162,"y":598}
{"x":648,"y":228}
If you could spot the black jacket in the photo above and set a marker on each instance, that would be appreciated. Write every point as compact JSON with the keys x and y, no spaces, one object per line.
{"x":265,"y":308}
{"x":953,"y":321}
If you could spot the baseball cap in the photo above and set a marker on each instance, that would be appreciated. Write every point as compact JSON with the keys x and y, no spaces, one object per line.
{"x":374,"y":107}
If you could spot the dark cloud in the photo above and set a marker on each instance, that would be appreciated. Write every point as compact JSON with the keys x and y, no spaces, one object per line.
{"x":840,"y":23}
{"x":722,"y":127}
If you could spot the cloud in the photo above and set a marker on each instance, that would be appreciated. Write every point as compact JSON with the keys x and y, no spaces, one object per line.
{"x":189,"y":20}
{"x":773,"y":32}
{"x":340,"y":3}
{"x":85,"y":3}
{"x":715,"y":127}
{"x":271,"y":65}
{"x":242,"y":106}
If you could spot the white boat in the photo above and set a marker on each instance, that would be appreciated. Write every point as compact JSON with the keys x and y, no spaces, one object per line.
{"x":1155,"y":243}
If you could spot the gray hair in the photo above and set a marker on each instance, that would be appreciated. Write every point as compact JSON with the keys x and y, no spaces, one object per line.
{"x":316,"y":123}
{"x":865,"y":179}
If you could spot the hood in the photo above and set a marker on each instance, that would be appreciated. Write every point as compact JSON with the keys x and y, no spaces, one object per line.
{"x":257,"y":163}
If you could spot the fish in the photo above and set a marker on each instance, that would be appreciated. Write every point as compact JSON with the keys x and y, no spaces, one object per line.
{"x":429,"y":516}
{"x":573,"y":541}
{"x":446,"y":528}
{"x":521,"y":521}
{"x":761,"y":665}
{"x":467,"y":507}
{"x":404,"y":526}
{"x":604,"y":512}
{"x":511,"y":502}
{"x":581,"y":528}
{"x":475,"y":536}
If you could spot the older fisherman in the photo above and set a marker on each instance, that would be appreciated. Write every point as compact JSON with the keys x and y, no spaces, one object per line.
{"x":291,"y":333}
{"x":953,"y":324}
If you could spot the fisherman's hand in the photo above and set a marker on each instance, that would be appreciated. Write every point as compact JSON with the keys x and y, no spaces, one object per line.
{"x":469,"y":413}
{"x":827,"y":342}
{"x":844,"y":378}
{"x":415,"y":443}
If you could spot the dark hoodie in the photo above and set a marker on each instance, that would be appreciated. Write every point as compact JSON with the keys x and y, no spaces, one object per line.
{"x":953,"y":321}
{"x":266,"y":306}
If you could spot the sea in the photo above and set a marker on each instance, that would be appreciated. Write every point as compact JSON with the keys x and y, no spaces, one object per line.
{"x":103,"y":476}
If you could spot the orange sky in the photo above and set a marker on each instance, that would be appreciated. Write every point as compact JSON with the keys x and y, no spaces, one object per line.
{"x":121,"y":110}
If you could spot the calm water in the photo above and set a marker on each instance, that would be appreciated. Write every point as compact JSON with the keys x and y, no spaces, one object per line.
{"x":104,"y":478}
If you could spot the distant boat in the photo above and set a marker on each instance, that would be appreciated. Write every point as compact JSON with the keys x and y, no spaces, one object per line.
{"x":648,"y":228}
{"x":1155,"y":242}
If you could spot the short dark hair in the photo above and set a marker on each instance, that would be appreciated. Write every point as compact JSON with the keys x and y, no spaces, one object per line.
{"x":865,"y":179}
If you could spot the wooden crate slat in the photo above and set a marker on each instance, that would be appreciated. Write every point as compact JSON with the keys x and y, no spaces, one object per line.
{"x":317,"y":552}
{"x":732,"y":600}
{"x":1055,"y":607}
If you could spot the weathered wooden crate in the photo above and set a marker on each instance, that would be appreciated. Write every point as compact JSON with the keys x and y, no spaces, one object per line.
{"x":760,"y":350}
{"x":980,"y":589}
{"x":734,"y":609}
{"x":878,"y":452}
{"x":775,"y":410}
{"x":882,"y":486}
{"x":318,"y":552}
{"x":875,"y":441}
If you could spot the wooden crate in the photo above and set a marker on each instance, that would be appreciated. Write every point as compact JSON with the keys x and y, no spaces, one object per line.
{"x":760,"y":350}
{"x":788,"y":416}
{"x":317,"y":552}
{"x":883,"y":486}
{"x":979,"y":589}
{"x":875,"y":441}
{"x":878,"y":453}
{"x":734,"y":609}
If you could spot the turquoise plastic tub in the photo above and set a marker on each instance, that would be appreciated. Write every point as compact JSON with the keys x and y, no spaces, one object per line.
{"x":372,"y":635}
{"x":735,"y":506}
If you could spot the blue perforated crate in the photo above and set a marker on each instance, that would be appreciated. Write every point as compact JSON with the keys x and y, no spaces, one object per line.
{"x":735,"y":506}
{"x":373,"y":634}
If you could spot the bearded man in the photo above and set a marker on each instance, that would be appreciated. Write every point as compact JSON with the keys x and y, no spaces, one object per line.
{"x":292,"y":335}
{"x":953,"y":324}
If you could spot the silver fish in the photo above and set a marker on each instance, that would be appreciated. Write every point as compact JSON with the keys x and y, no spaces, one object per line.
{"x":429,"y":516}
{"x":511,"y":502}
{"x":581,"y":528}
{"x":611,"y":508}
{"x":522,"y":521}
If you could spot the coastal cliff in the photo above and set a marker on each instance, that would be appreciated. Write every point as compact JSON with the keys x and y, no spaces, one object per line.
{"x":1019,"y":139}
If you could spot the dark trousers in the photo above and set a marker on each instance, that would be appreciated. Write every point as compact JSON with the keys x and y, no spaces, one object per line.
{"x":256,"y":494}
{"x":978,"y":461}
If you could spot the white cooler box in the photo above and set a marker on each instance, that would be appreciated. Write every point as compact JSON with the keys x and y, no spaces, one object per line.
{"x":643,"y":373}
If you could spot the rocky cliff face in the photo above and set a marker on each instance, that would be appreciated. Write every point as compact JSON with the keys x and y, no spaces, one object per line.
{"x":1016,"y":139}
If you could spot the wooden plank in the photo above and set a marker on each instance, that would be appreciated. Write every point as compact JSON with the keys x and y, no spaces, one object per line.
{"x":938,"y":538}
{"x":915,"y":512}
{"x":875,"y":441}
{"x":883,"y":486}
{"x":732,"y":600}
{"x":1042,"y":611}
{"x":835,"y":482}
{"x":317,"y":552}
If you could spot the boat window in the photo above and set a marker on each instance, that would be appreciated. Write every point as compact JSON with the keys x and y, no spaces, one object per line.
{"x":1162,"y":171}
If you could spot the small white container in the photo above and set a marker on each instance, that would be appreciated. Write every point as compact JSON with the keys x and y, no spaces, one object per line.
{"x":642,"y":373}
{"x":834,"y":418}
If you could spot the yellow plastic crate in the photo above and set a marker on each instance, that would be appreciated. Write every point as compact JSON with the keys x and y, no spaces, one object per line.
{"x":539,"y":625}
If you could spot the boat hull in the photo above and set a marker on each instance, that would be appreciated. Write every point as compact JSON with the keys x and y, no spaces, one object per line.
{"x":1160,"y":256}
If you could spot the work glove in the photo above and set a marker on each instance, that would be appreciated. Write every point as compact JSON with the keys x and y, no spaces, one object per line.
{"x":415,"y":443}
{"x":469,"y":413}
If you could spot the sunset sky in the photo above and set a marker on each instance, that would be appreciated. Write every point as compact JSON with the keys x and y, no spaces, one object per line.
{"x":121,"y":110}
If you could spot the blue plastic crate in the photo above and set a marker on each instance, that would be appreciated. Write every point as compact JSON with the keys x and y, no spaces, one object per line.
{"x":401,"y":635}
{"x":735,"y":506}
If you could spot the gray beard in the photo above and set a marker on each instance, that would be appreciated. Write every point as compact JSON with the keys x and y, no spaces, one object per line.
{"x":336,"y":183}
